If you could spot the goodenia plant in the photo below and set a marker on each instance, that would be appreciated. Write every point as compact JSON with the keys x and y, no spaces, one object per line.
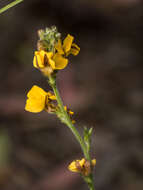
{"x":51,"y":57}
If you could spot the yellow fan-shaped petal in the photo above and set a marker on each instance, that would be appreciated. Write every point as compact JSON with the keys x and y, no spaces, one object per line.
{"x":36,"y":100}
{"x":67,"y":43}
{"x":34,"y":105}
{"x":59,"y":48}
{"x":36,"y":92}
{"x":60,"y":61}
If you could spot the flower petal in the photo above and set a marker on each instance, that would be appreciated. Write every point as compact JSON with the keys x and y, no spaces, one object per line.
{"x":60,"y":61}
{"x":34,"y":106}
{"x":59,"y":48}
{"x":49,"y":54}
{"x":52,"y":63}
{"x":38,"y":60}
{"x":93,"y":162}
{"x":42,"y":59}
{"x":67,"y":43}
{"x":36,"y":92}
{"x":74,"y":49}
{"x":35,"y":64}
{"x":72,"y":167}
{"x":51,"y":96}
{"x":36,"y":99}
{"x":82,"y":162}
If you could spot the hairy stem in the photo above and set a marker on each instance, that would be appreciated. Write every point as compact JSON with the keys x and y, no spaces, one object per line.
{"x":69,"y":123}
{"x":89,"y":180}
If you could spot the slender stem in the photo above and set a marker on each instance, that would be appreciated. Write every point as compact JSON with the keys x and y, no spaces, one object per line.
{"x":89,"y":179}
{"x":67,"y":118}
{"x":91,"y":184}
{"x":10,"y":5}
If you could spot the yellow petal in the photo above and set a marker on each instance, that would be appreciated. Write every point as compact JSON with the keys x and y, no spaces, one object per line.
{"x":52,"y":63}
{"x":74,"y":49}
{"x":49,"y":54}
{"x":34,"y":106}
{"x":49,"y":60}
{"x":60,"y":61}
{"x":59,"y":48}
{"x":82,"y":162}
{"x":36,"y":99}
{"x":36,"y":92}
{"x":42,"y":58}
{"x":73,"y":121}
{"x":93,"y":162}
{"x":35,"y":62}
{"x":41,"y":53}
{"x":72,"y":167}
{"x":71,"y":112}
{"x":65,"y":108}
{"x":67,"y":43}
{"x":38,"y":60}
{"x":51,"y":96}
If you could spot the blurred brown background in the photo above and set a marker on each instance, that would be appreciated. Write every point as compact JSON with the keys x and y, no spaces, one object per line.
{"x":103,"y":85}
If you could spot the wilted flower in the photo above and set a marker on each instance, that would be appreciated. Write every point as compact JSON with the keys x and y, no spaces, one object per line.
{"x":68,"y":47}
{"x":82,"y":166}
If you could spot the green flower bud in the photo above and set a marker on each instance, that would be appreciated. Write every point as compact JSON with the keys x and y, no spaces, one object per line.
{"x":48,"y":38}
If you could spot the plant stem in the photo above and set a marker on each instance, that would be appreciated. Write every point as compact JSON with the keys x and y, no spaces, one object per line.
{"x":10,"y":5}
{"x":89,"y":179}
{"x":69,"y":123}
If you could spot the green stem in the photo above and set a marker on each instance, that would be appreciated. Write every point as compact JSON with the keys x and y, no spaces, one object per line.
{"x":10,"y":5}
{"x":69,"y":123}
{"x":89,"y":179}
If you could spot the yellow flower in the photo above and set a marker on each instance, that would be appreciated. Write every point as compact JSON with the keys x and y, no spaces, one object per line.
{"x":68,"y":111}
{"x":47,"y":61}
{"x":38,"y":99}
{"x":43,"y":59}
{"x":68,"y":46}
{"x":60,"y":61}
{"x":82,"y":166}
{"x":93,"y":162}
